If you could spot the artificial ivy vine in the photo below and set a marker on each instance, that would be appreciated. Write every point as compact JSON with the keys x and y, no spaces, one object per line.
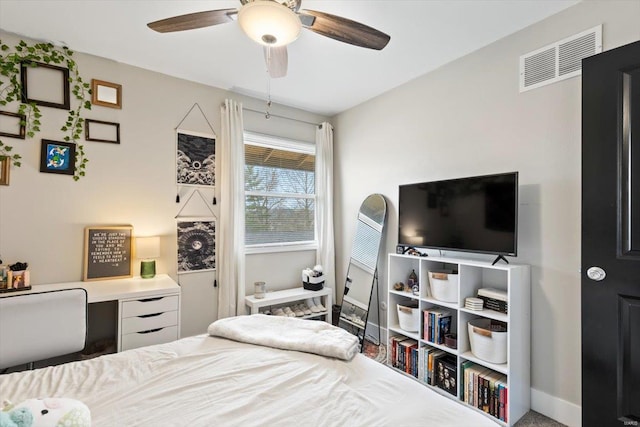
{"x":11,"y":60}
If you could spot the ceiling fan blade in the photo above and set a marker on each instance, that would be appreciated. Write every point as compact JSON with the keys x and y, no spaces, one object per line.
{"x":277,"y":60}
{"x":344,"y":30}
{"x":192,"y":21}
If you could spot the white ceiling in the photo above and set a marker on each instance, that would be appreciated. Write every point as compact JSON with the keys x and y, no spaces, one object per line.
{"x":325,"y":76}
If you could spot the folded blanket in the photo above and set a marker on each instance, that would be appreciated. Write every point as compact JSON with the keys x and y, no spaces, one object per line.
{"x":288,"y":333}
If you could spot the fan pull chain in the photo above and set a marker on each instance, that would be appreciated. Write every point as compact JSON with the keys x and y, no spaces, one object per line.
{"x":266,"y":114}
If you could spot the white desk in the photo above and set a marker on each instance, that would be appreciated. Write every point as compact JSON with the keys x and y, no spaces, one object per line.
{"x":148,"y":309}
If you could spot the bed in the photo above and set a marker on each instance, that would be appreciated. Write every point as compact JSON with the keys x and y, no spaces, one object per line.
{"x":213,"y":381}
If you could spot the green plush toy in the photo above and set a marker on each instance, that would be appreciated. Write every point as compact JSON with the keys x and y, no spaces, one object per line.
{"x":19,"y":417}
{"x":47,"y":412}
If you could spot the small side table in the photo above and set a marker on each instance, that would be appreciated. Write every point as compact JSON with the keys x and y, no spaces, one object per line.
{"x":292,"y":295}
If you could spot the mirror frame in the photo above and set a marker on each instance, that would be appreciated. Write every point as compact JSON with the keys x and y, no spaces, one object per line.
{"x":360,"y":331}
{"x":96,"y":84}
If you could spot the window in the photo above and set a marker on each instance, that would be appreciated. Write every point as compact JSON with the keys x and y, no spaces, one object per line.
{"x":280,"y":199}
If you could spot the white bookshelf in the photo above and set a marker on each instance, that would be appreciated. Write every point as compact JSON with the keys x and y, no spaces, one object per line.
{"x":473,"y":275}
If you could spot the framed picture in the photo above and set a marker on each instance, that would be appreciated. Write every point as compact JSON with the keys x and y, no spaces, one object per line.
{"x":107,"y":252}
{"x":57,"y":157}
{"x":97,"y":130}
{"x":45,"y":84}
{"x":195,"y":158}
{"x":12,"y":281}
{"x":196,"y":245}
{"x":12,"y":125}
{"x":106,"y":94}
{"x":4,"y":171}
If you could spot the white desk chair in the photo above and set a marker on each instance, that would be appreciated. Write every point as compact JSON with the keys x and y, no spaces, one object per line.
{"x":40,"y":325}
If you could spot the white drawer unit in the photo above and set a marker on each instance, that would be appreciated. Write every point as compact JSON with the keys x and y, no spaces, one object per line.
{"x":148,"y":321}
{"x":149,"y":337}
{"x":149,"y":306}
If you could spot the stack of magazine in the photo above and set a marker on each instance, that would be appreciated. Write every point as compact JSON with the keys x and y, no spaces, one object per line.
{"x":494,"y":299}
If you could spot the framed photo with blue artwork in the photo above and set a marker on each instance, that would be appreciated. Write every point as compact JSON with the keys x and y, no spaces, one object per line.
{"x":58,"y":157}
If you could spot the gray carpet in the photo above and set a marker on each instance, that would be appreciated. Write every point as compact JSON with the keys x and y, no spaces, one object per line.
{"x":533,"y":418}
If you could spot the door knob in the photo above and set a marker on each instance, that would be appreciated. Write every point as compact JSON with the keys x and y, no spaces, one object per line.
{"x":596,"y":273}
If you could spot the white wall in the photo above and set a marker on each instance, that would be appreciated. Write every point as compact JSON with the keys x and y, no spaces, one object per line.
{"x":42,"y":216}
{"x":468,"y":118}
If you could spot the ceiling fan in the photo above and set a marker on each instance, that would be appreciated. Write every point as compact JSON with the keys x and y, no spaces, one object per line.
{"x":276,"y":23}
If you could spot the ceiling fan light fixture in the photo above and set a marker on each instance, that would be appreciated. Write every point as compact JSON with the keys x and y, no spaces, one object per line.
{"x":269,"y":23}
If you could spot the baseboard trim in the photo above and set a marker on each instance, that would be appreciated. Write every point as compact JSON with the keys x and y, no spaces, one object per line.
{"x":553,"y":407}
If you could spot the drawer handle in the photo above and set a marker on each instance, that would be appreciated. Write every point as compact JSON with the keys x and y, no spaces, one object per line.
{"x":150,"y":299}
{"x":150,"y":331}
{"x":144,"y":316}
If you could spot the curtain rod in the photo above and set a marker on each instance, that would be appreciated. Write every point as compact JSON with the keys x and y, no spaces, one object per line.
{"x":282,"y":117}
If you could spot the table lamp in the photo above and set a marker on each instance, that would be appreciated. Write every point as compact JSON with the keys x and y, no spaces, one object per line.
{"x":147,"y":248}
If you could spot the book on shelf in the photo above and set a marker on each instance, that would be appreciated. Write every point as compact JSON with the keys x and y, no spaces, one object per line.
{"x":486,"y":390}
{"x":394,"y":342}
{"x":446,"y":373}
{"x":494,"y":299}
{"x":465,"y":379}
{"x":433,"y":364}
{"x":405,"y":354}
{"x":437,"y":323}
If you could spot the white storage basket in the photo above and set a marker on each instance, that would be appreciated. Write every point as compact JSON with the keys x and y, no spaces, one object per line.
{"x":444,"y":286}
{"x":488,"y":339}
{"x":409,"y":318}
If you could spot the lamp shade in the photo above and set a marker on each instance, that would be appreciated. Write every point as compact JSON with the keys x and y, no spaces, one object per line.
{"x":269,"y":22}
{"x":147,"y":247}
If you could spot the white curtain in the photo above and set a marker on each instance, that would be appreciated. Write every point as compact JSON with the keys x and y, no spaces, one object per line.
{"x":231,"y":225}
{"x":324,"y":190}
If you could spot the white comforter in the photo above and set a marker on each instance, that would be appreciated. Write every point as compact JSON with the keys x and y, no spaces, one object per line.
{"x":207,"y":381}
{"x":288,"y":333}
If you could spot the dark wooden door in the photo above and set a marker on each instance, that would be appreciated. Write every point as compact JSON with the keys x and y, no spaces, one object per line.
{"x":611,"y":238}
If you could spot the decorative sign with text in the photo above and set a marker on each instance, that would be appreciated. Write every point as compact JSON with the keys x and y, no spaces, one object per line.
{"x":107,"y":252}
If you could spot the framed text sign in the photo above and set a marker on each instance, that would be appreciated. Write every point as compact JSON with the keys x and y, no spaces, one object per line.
{"x":107,"y":252}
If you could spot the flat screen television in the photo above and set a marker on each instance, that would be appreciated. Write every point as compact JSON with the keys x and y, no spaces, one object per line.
{"x":474,"y":214}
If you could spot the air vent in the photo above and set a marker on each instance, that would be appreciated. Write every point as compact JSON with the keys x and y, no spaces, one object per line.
{"x":560,"y":60}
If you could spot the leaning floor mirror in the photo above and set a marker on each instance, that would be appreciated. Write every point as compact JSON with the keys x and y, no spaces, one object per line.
{"x":362,"y":273}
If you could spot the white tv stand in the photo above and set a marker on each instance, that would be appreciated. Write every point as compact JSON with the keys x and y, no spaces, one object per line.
{"x":473,"y":275}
